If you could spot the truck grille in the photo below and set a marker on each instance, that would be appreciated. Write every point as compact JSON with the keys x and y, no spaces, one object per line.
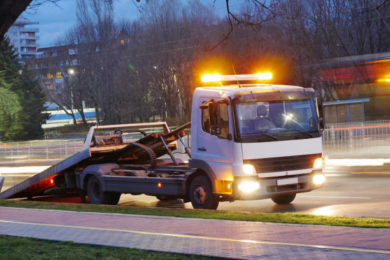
{"x":287,"y":163}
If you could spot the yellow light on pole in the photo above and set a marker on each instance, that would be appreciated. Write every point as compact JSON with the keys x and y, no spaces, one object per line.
{"x":264,"y":75}
{"x":211,"y":77}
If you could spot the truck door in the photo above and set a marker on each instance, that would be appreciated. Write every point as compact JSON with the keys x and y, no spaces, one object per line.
{"x":214,"y":142}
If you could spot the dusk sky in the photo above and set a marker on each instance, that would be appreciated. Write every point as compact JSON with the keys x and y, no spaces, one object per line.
{"x":56,"y":19}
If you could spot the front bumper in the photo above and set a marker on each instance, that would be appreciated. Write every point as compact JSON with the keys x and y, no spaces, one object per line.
{"x":269,"y":187}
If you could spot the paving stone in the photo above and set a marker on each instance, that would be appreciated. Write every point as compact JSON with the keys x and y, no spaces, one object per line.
{"x":196,"y":236}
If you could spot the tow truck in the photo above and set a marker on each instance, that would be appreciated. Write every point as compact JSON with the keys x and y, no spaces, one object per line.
{"x":249,"y":140}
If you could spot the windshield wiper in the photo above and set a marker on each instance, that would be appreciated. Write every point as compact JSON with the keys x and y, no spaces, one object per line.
{"x":263,"y":134}
{"x":302,"y":132}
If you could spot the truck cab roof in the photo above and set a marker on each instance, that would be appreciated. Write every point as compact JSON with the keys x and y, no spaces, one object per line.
{"x":235,"y":90}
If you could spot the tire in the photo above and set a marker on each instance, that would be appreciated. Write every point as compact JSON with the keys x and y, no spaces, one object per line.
{"x":112,"y":198}
{"x":96,"y":194}
{"x":284,"y":199}
{"x":201,"y":195}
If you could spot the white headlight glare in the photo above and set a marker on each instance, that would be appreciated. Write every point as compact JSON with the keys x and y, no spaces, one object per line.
{"x":248,"y":186}
{"x":318,"y":179}
{"x":318,"y":163}
{"x":249,"y":169}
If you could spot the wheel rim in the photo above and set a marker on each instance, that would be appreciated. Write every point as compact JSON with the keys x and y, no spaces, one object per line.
{"x":200,"y":195}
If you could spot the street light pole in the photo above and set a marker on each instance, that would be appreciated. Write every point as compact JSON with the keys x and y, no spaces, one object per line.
{"x":71,"y":72}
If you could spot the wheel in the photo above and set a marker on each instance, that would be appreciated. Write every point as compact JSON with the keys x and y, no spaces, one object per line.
{"x":165,"y":197}
{"x":201,"y":194}
{"x":96,"y":194}
{"x":283,"y":198}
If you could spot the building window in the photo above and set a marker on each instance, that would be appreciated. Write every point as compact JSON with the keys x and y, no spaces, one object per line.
{"x":72,"y":52}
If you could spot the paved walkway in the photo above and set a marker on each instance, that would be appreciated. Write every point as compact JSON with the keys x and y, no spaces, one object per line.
{"x":232,"y":239}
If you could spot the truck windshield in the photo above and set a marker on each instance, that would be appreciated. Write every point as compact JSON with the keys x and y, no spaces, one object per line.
{"x":276,"y":120}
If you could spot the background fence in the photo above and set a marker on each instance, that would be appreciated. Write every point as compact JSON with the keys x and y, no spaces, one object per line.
{"x":38,"y":150}
{"x":362,"y":140}
{"x":50,"y":151}
{"x":357,"y":140}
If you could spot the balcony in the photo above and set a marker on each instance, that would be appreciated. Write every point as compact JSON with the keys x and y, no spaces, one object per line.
{"x":28,"y":44}
{"x":28,"y":53}
{"x":27,"y":30}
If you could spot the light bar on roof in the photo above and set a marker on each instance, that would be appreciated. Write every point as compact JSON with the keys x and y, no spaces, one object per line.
{"x":211,"y":77}
{"x":261,"y":76}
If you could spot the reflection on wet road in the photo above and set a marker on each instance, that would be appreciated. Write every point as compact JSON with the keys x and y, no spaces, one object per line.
{"x":349,"y":191}
{"x":353,"y":195}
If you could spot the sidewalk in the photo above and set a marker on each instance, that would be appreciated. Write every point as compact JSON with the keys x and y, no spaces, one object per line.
{"x":232,"y":239}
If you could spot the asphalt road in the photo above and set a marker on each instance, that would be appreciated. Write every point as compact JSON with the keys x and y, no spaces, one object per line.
{"x":349,"y":191}
{"x":352,"y":192}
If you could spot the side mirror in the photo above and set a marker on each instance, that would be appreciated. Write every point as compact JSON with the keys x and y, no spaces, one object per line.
{"x":321,"y":123}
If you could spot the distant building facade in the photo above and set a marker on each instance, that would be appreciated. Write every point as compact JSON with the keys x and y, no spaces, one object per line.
{"x":57,"y":67}
{"x":361,"y":86}
{"x":58,"y":117}
{"x":54,"y":64}
{"x":24,"y":39}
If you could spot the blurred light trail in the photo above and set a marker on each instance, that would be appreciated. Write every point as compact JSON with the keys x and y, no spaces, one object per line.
{"x":356,"y":162}
{"x":23,"y":169}
{"x":362,"y":127}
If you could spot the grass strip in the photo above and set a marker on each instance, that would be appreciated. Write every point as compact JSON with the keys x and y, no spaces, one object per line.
{"x":207,"y":214}
{"x":30,"y":248}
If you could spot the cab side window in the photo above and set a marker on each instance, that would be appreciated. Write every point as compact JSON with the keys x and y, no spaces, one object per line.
{"x":206,"y":126}
{"x":215,"y":119}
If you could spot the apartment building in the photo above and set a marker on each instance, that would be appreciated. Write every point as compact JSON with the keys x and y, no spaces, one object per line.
{"x":24,"y":38}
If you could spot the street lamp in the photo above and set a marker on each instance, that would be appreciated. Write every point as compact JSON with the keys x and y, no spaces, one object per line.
{"x":71,"y":71}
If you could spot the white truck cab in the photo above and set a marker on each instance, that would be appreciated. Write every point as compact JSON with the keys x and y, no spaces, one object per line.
{"x":256,"y":140}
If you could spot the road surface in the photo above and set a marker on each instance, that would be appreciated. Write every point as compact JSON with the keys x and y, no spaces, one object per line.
{"x":349,"y":191}
{"x":342,"y":195}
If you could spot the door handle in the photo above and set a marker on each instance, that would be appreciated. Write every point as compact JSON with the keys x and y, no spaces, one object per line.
{"x":202,"y":149}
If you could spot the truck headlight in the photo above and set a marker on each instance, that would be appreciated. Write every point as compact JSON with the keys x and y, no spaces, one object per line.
{"x":248,"y":186}
{"x":318,"y":163}
{"x":249,"y":169}
{"x":318,"y":179}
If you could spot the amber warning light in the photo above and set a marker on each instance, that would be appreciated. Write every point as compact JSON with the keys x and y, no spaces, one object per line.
{"x":261,"y":76}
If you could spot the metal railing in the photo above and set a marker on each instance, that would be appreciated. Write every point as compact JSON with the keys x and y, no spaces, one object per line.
{"x":357,"y":140}
{"x":353,"y":140}
{"x":44,"y":150}
{"x":51,"y":151}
